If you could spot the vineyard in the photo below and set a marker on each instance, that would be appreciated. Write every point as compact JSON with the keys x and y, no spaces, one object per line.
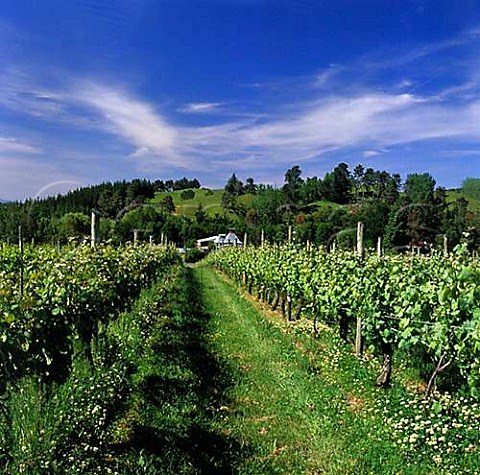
{"x":427,"y":309}
{"x":119,"y":360}
{"x":56,"y":307}
{"x":61,"y":300}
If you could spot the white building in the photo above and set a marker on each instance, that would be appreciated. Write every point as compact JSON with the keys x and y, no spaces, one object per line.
{"x":220,"y":240}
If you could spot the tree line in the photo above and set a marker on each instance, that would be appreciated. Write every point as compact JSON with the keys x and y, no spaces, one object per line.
{"x":319,"y":210}
{"x":324,"y":210}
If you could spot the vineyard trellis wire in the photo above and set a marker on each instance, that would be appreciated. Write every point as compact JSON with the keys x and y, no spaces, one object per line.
{"x":430,"y":305}
{"x":66,"y":294}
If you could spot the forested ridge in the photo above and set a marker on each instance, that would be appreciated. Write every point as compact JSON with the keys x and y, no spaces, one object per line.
{"x":318,"y":210}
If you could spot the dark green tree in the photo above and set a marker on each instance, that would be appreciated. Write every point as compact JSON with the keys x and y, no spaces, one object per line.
{"x":167,"y":204}
{"x":311,"y":190}
{"x":145,"y":218}
{"x":234,"y":186}
{"x":201,"y":216}
{"x":457,"y":221}
{"x":293,"y":184}
{"x":187,"y":194}
{"x":337,"y":184}
{"x":471,"y":188}
{"x":250,"y":186}
{"x":73,"y":225}
{"x":357,"y":181}
{"x":420,"y":188}
{"x":424,"y":212}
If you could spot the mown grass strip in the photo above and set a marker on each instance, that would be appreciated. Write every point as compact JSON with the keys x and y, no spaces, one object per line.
{"x":179,"y":388}
{"x":146,"y":404}
{"x":301,"y":405}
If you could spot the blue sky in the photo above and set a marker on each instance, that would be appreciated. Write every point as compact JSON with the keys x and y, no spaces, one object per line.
{"x":97,"y":90}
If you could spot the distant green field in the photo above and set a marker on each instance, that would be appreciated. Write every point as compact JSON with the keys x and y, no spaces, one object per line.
{"x":211,"y":201}
{"x":473,"y":204}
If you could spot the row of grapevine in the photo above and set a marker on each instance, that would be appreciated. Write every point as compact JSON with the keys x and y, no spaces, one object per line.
{"x":67,"y":295}
{"x":430,"y":306}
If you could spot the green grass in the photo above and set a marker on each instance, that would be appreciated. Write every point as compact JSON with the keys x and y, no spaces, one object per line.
{"x":473,"y":204}
{"x":295,"y":418}
{"x":200,"y":379}
{"x":178,"y":387}
{"x":307,"y":405}
{"x":211,"y":201}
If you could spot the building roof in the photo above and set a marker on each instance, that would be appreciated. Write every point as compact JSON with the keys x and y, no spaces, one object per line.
{"x":221,"y":239}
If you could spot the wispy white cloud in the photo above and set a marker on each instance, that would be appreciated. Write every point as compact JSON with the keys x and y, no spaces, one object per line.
{"x":422,"y":51}
{"x":133,"y":120}
{"x":21,"y":93}
{"x":370,"y":121}
{"x":324,"y":78}
{"x":299,"y":132}
{"x":290,"y":128}
{"x":460,"y":153}
{"x":200,"y":107}
{"x":465,"y":91}
{"x":371,"y":153}
{"x":404,"y":84}
{"x":12,"y":145}
{"x":339,"y":122}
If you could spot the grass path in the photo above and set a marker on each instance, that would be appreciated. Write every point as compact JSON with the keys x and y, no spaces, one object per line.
{"x":291,"y":413}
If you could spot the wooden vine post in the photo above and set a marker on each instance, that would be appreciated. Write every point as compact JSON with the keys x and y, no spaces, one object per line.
{"x":379,"y":247}
{"x":445,"y":245}
{"x":245,"y":237}
{"x":95,"y":228}
{"x":361,"y":254}
{"x":20,"y":249}
{"x":289,"y":233}
{"x":262,"y":238}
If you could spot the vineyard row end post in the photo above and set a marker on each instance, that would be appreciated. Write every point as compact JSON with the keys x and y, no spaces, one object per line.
{"x":361,"y":254}
{"x":95,"y":228}
{"x":20,"y":249}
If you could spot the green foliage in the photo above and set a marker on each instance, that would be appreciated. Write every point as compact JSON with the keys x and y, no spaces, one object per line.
{"x":426,"y":305}
{"x":420,"y":188}
{"x":39,"y":217}
{"x":167,"y":204}
{"x":234,"y":186}
{"x":471,"y":188}
{"x":194,"y":255}
{"x":293,"y":184}
{"x":145,"y":218}
{"x":68,"y":428}
{"x":67,"y":294}
{"x":270,"y":204}
{"x":422,"y":213}
{"x":337,"y":184}
{"x":314,"y":396}
{"x":74,"y":225}
{"x":187,"y":195}
{"x":250,"y":186}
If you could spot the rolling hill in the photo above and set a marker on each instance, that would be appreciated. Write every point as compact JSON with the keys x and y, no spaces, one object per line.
{"x":473,"y":204}
{"x":211,"y":201}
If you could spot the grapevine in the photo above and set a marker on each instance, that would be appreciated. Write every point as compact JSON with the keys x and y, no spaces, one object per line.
{"x":430,"y":305}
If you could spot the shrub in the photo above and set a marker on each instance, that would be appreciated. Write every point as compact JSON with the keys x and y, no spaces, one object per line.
{"x":194,"y":255}
{"x":187,"y":195}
